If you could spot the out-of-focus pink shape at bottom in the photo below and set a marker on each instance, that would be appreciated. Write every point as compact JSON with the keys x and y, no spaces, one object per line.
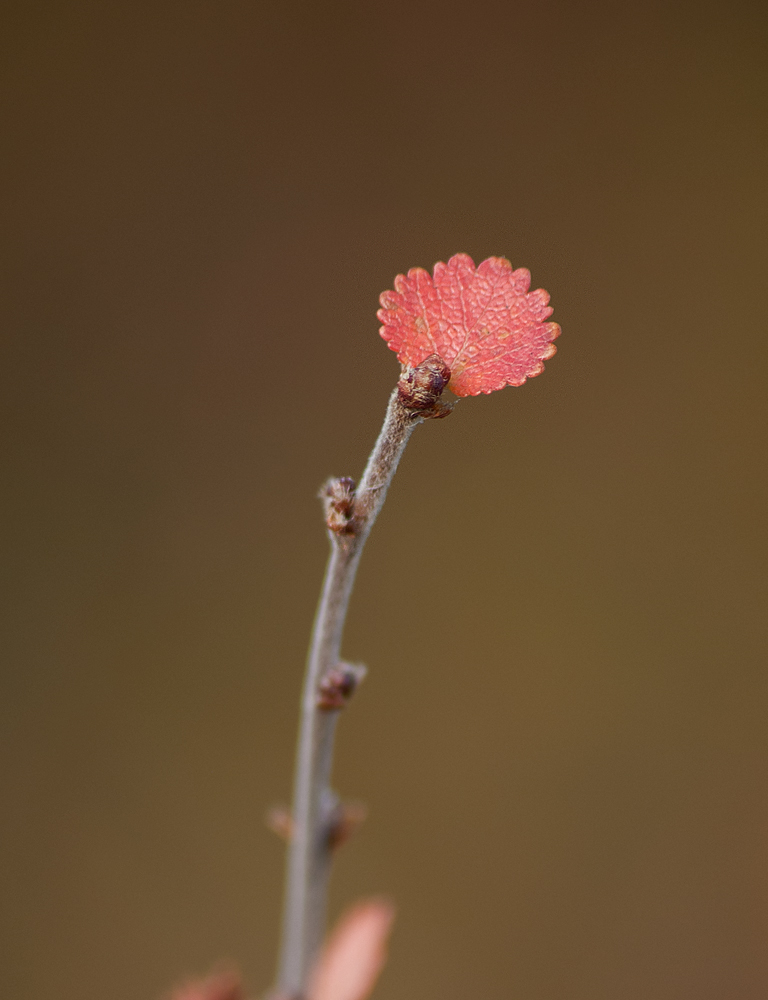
{"x":219,"y":986}
{"x":354,"y":954}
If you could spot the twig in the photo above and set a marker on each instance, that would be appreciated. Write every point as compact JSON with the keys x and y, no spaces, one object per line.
{"x":328,"y":682}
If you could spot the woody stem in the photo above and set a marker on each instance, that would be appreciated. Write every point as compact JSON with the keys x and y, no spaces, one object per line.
{"x":315,"y":807}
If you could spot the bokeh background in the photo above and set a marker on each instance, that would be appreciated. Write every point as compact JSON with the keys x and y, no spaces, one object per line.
{"x":562,"y":740}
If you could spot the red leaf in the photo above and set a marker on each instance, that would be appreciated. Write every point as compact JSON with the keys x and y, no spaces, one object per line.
{"x":483,"y":322}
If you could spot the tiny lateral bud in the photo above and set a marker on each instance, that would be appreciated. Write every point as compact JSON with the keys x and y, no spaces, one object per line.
{"x":338,"y":686}
{"x":338,"y":496}
{"x":280,"y":821}
{"x":349,"y":817}
{"x":420,"y":388}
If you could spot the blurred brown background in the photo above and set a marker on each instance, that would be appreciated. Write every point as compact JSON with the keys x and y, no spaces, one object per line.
{"x":563,"y":739}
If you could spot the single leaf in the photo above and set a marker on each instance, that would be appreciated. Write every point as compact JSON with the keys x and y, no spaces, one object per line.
{"x":354,"y":955}
{"x":482,"y":321}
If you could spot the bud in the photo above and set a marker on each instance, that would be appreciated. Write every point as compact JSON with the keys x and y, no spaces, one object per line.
{"x":338,"y":686}
{"x":420,"y":387}
{"x":338,"y":496}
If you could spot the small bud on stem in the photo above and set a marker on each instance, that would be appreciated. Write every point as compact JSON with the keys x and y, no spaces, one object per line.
{"x":420,"y":388}
{"x":338,"y":685}
{"x":347,"y":819}
{"x":338,"y":496}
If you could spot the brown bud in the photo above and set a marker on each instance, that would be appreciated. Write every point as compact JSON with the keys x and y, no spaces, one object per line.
{"x":338,"y":496}
{"x":280,"y":821}
{"x":338,"y":686}
{"x":420,"y":388}
{"x":347,"y":820}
